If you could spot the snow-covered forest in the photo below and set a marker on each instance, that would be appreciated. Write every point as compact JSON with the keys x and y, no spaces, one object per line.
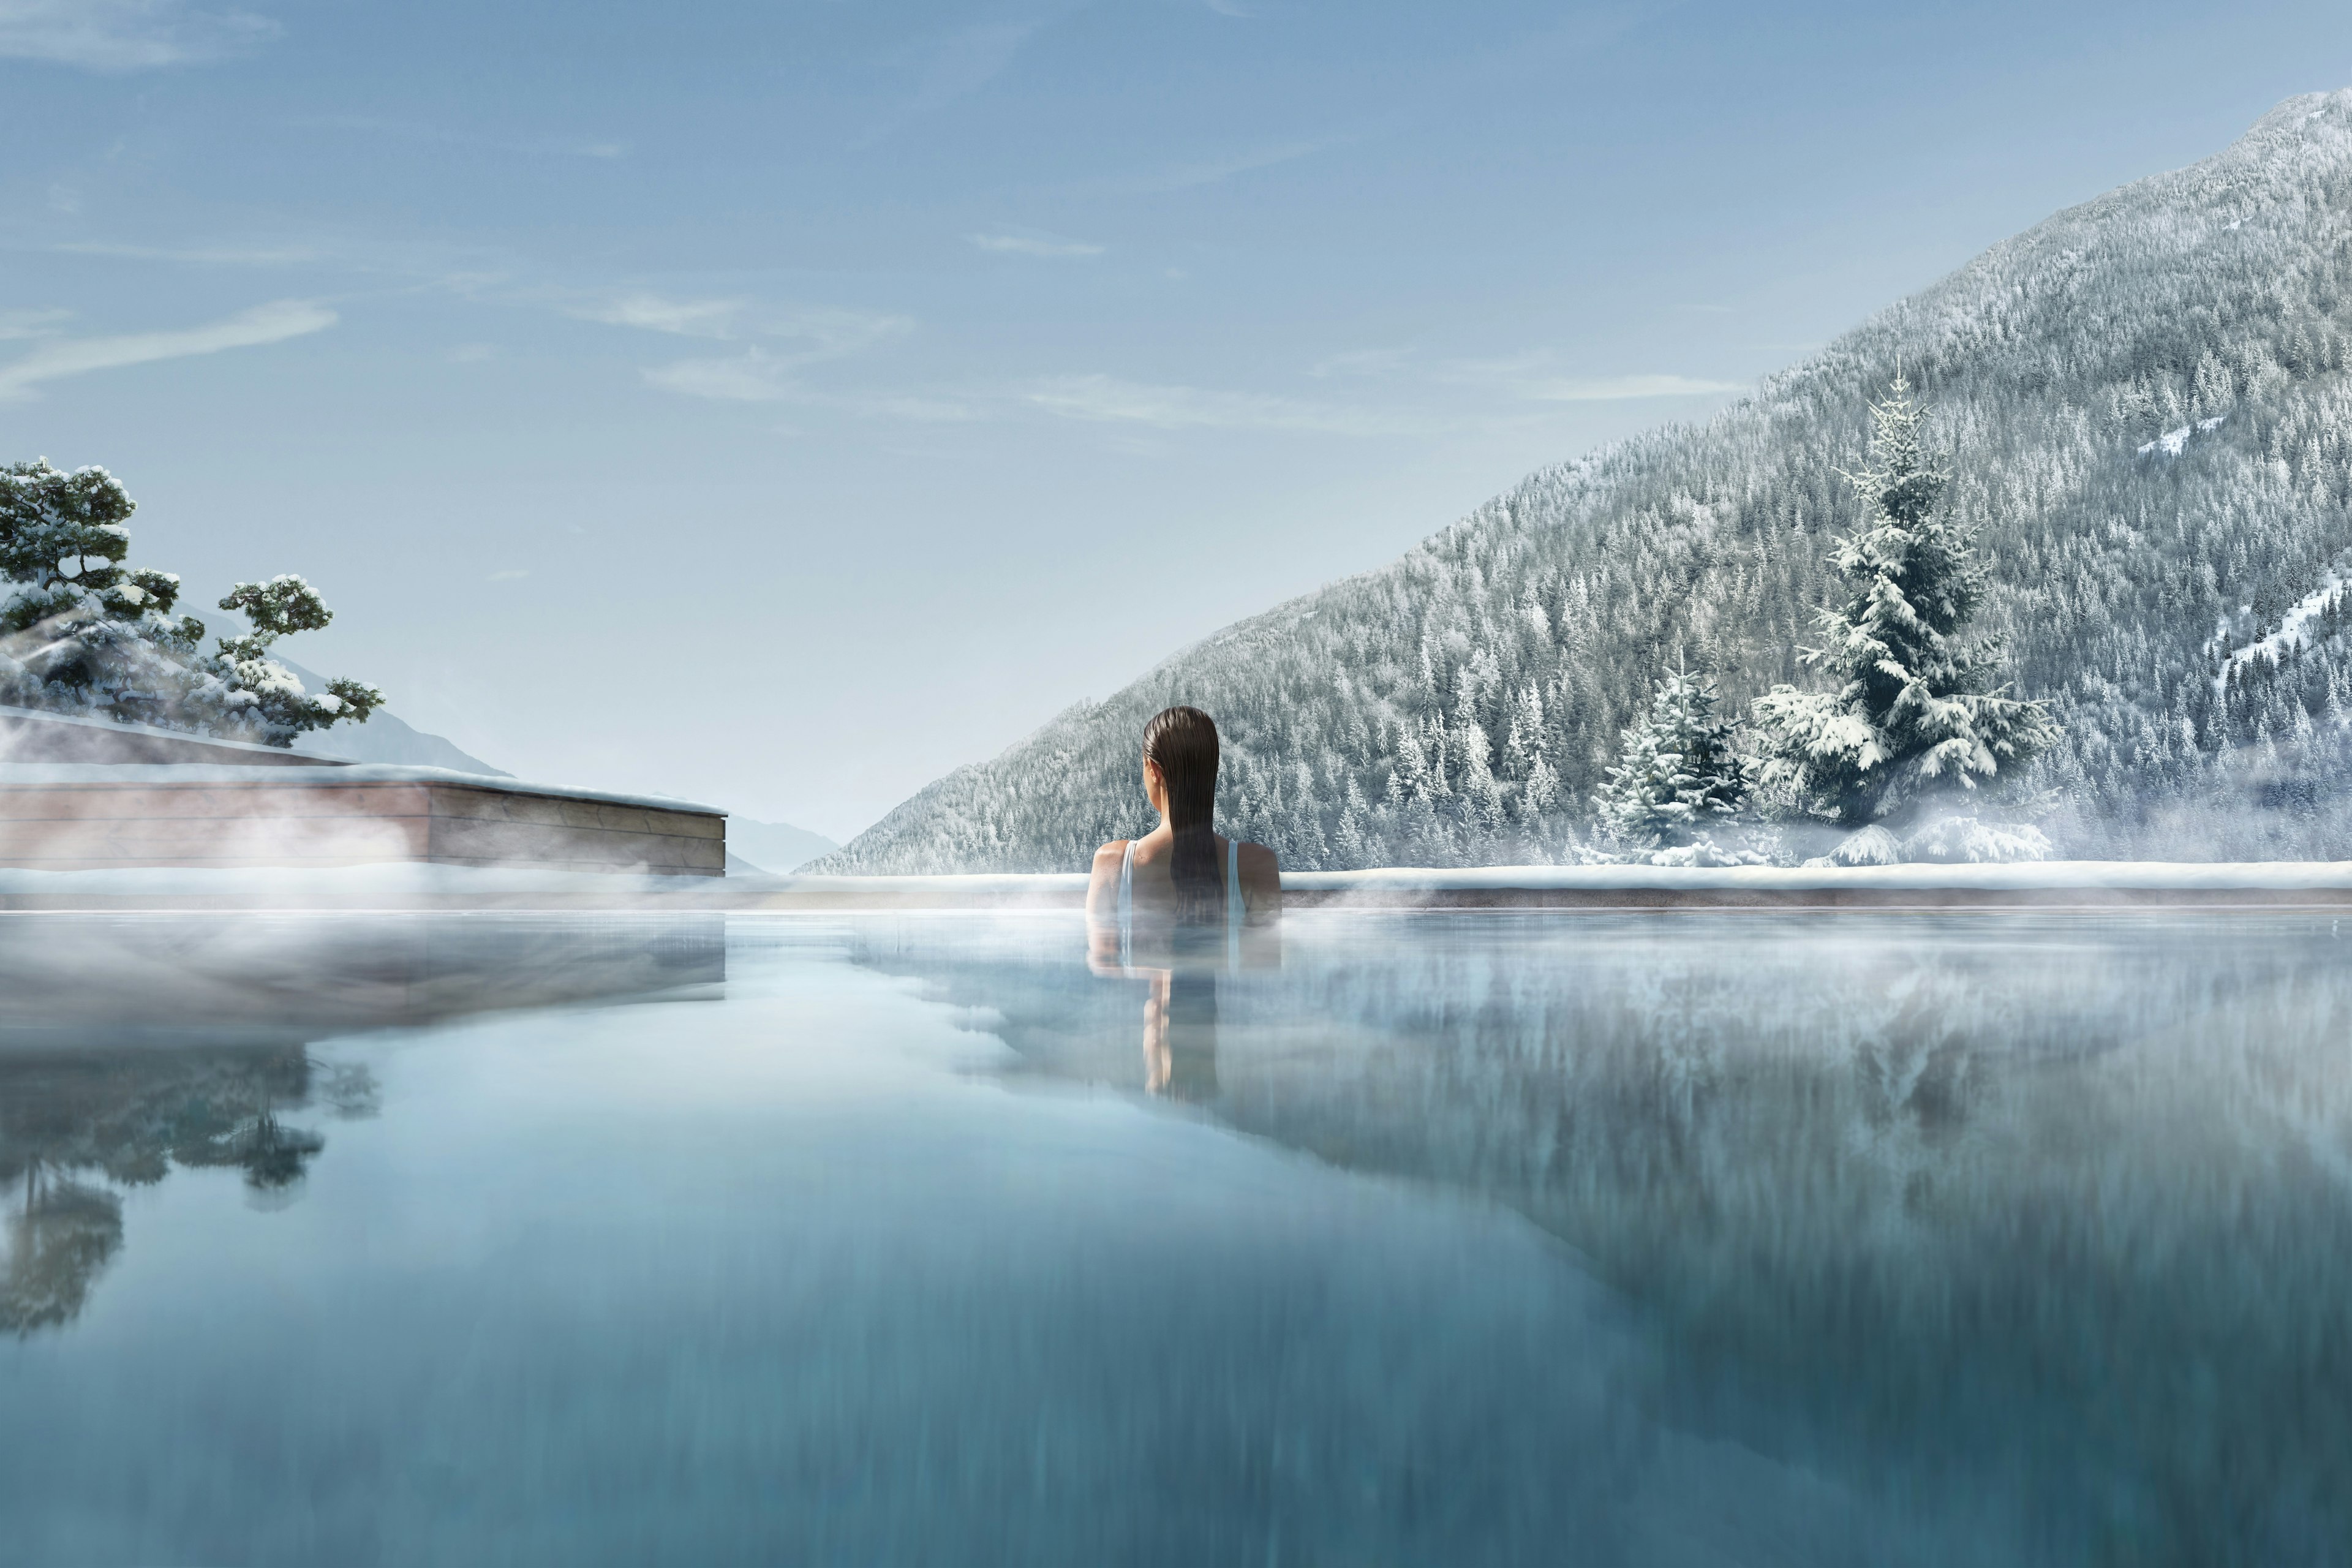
{"x":2144,"y":408}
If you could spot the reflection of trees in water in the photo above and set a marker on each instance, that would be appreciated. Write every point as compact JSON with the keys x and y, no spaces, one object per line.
{"x":58,"y":1241}
{"x":2078,"y":1215}
{"x":202,"y":1022}
{"x":2061,"y":1214}
{"x":127,"y":1119}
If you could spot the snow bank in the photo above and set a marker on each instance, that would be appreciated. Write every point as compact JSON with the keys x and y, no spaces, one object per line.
{"x":2056,"y":876}
{"x":155,"y":732}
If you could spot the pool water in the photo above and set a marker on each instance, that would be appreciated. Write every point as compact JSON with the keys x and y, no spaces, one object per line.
{"x":1442,"y":1238}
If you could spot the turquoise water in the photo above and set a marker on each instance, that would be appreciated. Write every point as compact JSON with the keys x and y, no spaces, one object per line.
{"x":1449,"y":1238}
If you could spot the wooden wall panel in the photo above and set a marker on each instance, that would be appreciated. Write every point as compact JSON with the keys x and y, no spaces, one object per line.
{"x":68,"y":802}
{"x":57,"y":827}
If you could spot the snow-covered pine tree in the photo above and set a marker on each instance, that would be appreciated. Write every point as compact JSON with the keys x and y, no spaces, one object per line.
{"x":84,"y":634}
{"x":1679,"y":773}
{"x":1916,"y":712}
{"x":279,"y":607}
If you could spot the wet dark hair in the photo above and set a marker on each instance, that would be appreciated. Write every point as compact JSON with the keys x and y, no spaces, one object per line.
{"x":1182,"y":743}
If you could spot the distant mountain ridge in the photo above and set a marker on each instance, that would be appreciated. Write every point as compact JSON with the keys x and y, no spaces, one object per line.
{"x":776,"y":847}
{"x":2146,"y":405}
{"x":752,"y":846}
{"x":385,"y":738}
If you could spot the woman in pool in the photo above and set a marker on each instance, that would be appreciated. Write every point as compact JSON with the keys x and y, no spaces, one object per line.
{"x":1182,"y":871}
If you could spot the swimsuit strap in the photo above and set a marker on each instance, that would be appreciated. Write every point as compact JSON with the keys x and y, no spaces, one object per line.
{"x":1127,"y":904}
{"x":1234,"y":908}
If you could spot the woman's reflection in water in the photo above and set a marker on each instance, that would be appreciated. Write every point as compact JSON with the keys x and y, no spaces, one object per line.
{"x":1180,"y":1037}
{"x":1182,"y":971}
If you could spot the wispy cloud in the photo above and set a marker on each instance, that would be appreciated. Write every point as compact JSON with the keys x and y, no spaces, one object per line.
{"x":659,"y":313}
{"x":1029,"y":242}
{"x":1361,"y":362}
{"x":951,"y":66}
{"x":1532,"y":378}
{"x":199,"y":255}
{"x":16,"y":326}
{"x":815,"y":334}
{"x":1617,"y":388}
{"x":776,"y":343}
{"x":917,"y":407}
{"x":1203,"y":171}
{"x":751,"y":376}
{"x":968,"y":59}
{"x":831,"y":334}
{"x":604,"y":147}
{"x":125,"y":34}
{"x":1108,"y":400}
{"x":756,"y":376}
{"x":468,"y":271}
{"x":59,"y":357}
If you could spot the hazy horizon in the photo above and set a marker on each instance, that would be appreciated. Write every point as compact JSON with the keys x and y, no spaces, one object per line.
{"x":781,"y":410}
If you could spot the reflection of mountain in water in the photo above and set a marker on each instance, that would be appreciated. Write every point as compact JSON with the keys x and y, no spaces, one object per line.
{"x":133,"y":1045}
{"x":2056,"y":1214}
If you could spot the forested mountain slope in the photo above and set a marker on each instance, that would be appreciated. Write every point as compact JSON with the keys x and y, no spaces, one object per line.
{"x":2148,"y":420}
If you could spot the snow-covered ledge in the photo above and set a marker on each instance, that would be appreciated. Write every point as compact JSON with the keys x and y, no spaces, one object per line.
{"x":2032,"y":876}
{"x":2051,"y":884}
{"x":2042,"y":884}
{"x":311,"y":770}
{"x":36,"y":735}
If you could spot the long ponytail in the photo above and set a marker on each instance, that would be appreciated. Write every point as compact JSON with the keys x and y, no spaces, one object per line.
{"x":1182,"y":743}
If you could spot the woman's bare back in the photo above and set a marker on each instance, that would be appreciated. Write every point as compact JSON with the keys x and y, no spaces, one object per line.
{"x":1154,"y":888}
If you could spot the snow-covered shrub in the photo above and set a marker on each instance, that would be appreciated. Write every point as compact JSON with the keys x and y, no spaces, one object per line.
{"x":1965,"y":840}
{"x":1872,"y":846}
{"x":1702,"y":850}
{"x":84,"y":634}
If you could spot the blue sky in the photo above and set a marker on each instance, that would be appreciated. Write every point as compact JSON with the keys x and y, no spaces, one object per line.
{"x":780,"y":404}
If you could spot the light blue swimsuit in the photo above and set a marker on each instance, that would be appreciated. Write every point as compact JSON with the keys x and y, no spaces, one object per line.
{"x":1235,"y":911}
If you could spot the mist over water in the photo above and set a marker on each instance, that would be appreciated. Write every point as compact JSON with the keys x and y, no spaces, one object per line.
{"x":1429,"y":1238}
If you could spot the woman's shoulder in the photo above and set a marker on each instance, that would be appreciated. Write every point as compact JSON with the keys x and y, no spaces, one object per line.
{"x":1255,"y":854}
{"x":1113,"y":852}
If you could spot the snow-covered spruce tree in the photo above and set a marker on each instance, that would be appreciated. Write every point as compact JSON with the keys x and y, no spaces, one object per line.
{"x":1916,"y":713}
{"x":1679,"y":774}
{"x":84,"y":634}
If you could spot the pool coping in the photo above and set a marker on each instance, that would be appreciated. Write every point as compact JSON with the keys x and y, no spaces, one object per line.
{"x":2089,"y":885}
